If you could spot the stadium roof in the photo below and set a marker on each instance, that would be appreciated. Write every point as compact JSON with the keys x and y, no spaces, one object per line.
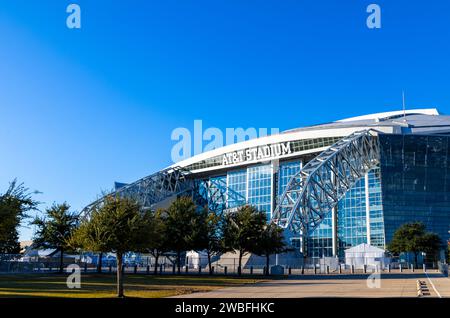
{"x":413,"y":121}
{"x":418,"y":120}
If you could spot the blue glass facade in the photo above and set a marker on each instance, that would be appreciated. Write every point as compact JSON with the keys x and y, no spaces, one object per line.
{"x":260,"y":188}
{"x":237,"y":188}
{"x":360,"y":214}
{"x":352,"y":217}
{"x":376,"y":219}
{"x":286,"y":171}
{"x":250,"y":186}
{"x":415,"y":174}
{"x":320,"y":242}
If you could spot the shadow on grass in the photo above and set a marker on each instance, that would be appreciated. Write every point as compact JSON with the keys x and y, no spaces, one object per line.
{"x":104,"y":285}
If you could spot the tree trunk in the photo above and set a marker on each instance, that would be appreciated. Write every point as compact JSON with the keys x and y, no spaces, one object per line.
{"x":209,"y":263}
{"x":119,"y":275}
{"x":267,"y":264}
{"x":61,"y":260}
{"x":179,"y":262}
{"x":240,"y":263}
{"x":99,"y":265}
{"x":156,"y":263}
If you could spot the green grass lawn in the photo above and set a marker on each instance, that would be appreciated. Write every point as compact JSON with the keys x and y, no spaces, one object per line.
{"x":104,"y":285}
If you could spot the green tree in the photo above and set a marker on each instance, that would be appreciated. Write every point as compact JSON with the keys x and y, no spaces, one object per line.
{"x":158,"y":241}
{"x":117,"y":225}
{"x":412,"y":237}
{"x":15,"y":204}
{"x":55,"y":229}
{"x":180,"y":219}
{"x":208,"y":234}
{"x":270,"y":242}
{"x":242,"y":229}
{"x":431,"y":243}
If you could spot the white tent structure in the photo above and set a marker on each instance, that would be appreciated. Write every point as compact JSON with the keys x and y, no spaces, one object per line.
{"x":196,"y":260}
{"x":365,"y":254}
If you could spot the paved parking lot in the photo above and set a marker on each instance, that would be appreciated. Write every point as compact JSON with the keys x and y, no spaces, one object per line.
{"x":390,"y":285}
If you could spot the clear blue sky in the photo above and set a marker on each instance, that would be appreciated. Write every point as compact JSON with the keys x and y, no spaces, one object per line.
{"x":80,"y":109}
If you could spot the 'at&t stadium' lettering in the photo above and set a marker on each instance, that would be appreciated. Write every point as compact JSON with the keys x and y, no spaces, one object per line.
{"x":257,"y":153}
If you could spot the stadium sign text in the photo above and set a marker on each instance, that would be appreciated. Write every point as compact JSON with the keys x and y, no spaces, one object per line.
{"x":257,"y":153}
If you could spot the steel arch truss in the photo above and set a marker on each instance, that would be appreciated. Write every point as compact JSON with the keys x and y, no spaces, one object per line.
{"x":217,"y":195}
{"x":178,"y":181}
{"x":153,"y":189}
{"x":211,"y":194}
{"x":314,"y":191}
{"x":157,"y":187}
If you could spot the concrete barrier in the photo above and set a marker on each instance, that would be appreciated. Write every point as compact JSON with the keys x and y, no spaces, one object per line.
{"x":419,"y":289}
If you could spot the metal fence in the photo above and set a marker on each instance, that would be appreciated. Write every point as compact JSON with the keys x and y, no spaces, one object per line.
{"x":10,"y":264}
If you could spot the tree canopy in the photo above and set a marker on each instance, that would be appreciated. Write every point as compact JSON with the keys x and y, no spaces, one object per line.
{"x":55,"y":229}
{"x":413,"y":237}
{"x":15,"y":204}
{"x":180,"y":219}
{"x":242,"y":230}
{"x":270,"y":242}
{"x":208,"y":233}
{"x":117,"y":225}
{"x":157,"y":240}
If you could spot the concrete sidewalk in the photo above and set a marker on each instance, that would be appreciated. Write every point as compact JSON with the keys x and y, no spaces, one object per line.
{"x":391,"y":285}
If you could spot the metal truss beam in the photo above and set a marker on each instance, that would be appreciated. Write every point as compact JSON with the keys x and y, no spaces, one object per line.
{"x":317,"y":188}
{"x":157,"y":187}
{"x":152,"y":189}
{"x":217,"y":195}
